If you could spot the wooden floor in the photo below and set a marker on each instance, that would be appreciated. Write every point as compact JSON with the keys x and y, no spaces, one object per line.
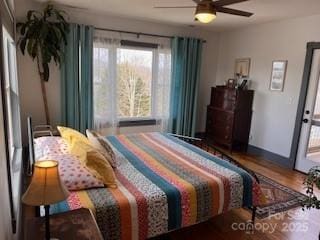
{"x":294,"y":224}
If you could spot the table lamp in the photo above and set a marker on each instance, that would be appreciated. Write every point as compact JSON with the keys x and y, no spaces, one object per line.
{"x":45,"y":188}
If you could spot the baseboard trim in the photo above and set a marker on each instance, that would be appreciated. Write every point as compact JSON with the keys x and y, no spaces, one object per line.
{"x":273,"y":157}
{"x":265,"y":154}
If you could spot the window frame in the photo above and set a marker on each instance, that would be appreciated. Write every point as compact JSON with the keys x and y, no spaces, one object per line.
{"x":13,"y":160}
{"x":13,"y":127}
{"x":132,"y":120}
{"x":153,"y":119}
{"x":144,"y":46}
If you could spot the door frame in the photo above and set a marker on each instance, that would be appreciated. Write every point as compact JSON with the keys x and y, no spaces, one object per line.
{"x":311,"y":46}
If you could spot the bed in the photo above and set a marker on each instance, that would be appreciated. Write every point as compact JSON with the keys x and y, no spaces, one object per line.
{"x":164,"y":184}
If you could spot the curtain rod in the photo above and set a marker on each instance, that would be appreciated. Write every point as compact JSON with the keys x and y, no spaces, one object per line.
{"x":137,"y":33}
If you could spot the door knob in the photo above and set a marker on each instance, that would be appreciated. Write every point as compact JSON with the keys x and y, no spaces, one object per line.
{"x":305,"y":120}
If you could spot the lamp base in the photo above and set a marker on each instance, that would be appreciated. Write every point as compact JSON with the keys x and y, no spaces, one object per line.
{"x":47,"y":222}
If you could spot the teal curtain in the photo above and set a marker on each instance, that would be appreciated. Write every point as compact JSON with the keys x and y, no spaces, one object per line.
{"x":77,"y":79}
{"x":186,"y":64}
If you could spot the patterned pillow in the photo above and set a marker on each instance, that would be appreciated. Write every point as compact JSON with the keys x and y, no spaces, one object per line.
{"x":50,"y":145}
{"x":73,"y":173}
{"x":98,"y":142}
{"x":107,"y":147}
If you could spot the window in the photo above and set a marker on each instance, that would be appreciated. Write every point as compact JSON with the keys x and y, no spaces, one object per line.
{"x":128,"y":84}
{"x":11,"y":120}
{"x":102,"y":84}
{"x":11,"y":94}
{"x":134,"y":83}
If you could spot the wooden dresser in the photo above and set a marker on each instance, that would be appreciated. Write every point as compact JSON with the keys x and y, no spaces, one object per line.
{"x":229,"y":117}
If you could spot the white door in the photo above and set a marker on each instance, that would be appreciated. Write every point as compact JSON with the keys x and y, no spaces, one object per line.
{"x":308,"y":154}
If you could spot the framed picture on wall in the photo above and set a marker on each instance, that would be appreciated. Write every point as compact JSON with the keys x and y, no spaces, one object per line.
{"x":242,"y":67}
{"x":278,"y":75}
{"x":231,"y":83}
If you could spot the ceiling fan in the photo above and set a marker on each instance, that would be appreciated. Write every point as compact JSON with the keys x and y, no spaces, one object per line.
{"x":206,"y":10}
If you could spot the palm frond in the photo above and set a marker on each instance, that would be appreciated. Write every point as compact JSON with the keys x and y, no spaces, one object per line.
{"x":42,"y":35}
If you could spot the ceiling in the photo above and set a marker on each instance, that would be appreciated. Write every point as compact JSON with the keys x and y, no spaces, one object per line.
{"x":264,"y":11}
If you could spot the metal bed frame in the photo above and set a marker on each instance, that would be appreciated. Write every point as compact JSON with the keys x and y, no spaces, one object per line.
{"x":33,"y":132}
{"x":199,"y":142}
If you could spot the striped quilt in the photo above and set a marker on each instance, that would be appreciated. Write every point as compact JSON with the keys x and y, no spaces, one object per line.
{"x":163,"y":184}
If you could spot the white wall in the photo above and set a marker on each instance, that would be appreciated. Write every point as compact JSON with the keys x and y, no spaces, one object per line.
{"x":274,"y":112}
{"x":30,"y":83}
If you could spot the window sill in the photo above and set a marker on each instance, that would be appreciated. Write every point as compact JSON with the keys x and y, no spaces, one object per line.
{"x":139,"y":122}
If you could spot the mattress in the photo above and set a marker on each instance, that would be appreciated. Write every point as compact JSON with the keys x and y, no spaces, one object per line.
{"x":163,"y":184}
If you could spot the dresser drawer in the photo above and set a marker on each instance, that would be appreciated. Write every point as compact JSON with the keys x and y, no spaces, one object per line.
{"x":219,"y":124}
{"x":219,"y":117}
{"x":227,"y":104}
{"x":224,"y":93}
{"x":223,"y":98}
{"x":220,"y":133}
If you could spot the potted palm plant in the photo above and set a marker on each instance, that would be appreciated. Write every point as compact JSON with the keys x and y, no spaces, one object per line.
{"x":43,"y":35}
{"x":312,"y":180}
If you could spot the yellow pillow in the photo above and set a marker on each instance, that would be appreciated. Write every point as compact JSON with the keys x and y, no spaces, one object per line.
{"x":72,"y":135}
{"x":95,"y":161}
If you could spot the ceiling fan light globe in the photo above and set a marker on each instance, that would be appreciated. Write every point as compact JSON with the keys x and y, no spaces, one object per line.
{"x":205,"y":17}
{"x":205,"y":12}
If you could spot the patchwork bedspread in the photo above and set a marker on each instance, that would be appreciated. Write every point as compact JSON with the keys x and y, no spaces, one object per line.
{"x":163,"y":184}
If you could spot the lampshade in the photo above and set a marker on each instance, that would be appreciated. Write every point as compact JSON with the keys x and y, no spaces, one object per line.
{"x":205,"y":12}
{"x":46,"y":187}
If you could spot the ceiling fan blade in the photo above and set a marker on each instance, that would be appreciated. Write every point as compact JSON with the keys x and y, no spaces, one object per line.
{"x":234,"y":12}
{"x":221,"y":3}
{"x":176,"y":7}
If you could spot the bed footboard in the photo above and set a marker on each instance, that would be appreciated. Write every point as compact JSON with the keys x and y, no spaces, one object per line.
{"x":200,"y":143}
